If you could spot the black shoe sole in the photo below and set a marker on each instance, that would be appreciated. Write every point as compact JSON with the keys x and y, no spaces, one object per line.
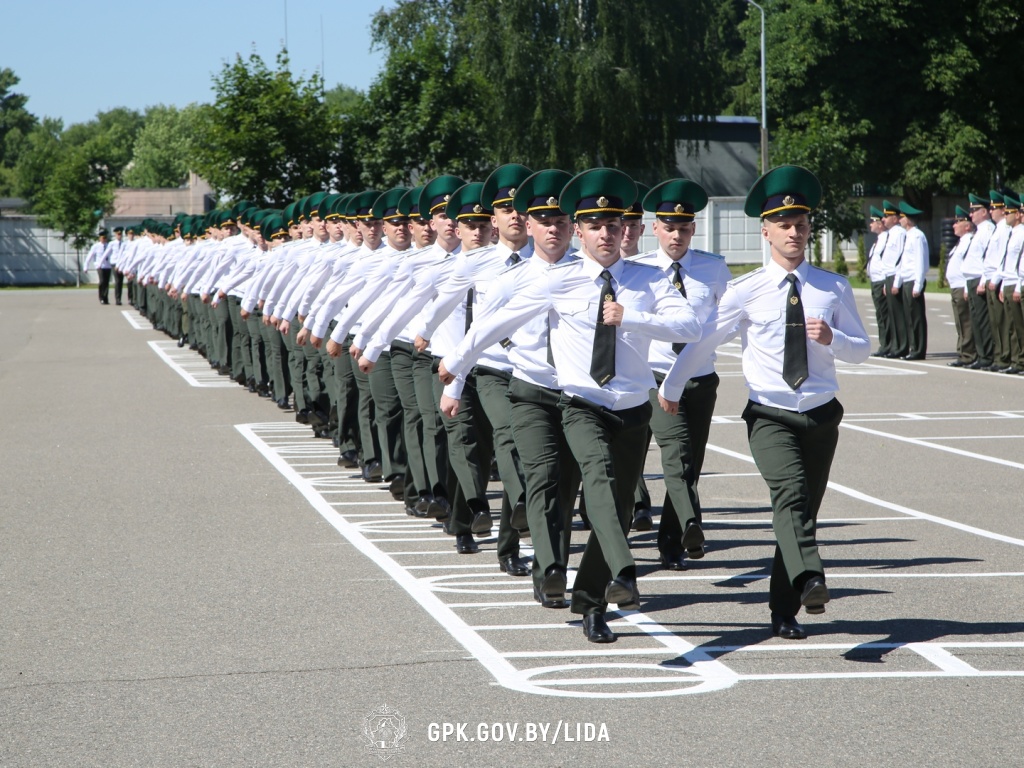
{"x":622,"y":597}
{"x":481,"y":524}
{"x":814,"y":601}
{"x":693,"y":543}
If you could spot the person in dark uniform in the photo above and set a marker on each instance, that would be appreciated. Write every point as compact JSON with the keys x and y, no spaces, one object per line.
{"x":794,"y":321}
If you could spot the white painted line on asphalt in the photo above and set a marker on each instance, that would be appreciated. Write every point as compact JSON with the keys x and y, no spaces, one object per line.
{"x":942,"y":659}
{"x":721,"y":578}
{"x":773,"y":646}
{"x":926,"y":444}
{"x":973,"y":437}
{"x":502,"y":671}
{"x":360,"y":503}
{"x":135,"y":320}
{"x":211,"y":383}
{"x":889,"y":505}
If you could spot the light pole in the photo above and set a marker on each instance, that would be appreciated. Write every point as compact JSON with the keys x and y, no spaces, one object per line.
{"x":764,"y":91}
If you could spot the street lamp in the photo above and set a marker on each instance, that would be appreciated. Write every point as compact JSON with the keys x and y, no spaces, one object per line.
{"x":764,"y":91}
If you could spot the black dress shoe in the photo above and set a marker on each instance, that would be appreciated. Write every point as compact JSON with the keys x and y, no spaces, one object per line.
{"x":181,"y":342}
{"x":518,"y":517}
{"x":422,"y":505}
{"x":283,"y":404}
{"x":514,"y":566}
{"x":624,"y":593}
{"x":642,"y":520}
{"x":977,"y":365}
{"x":879,"y":353}
{"x":553,"y":585}
{"x":302,"y":416}
{"x":596,"y":630}
{"x":251,"y":384}
{"x":372,"y":472}
{"x":440,"y":508}
{"x":547,"y":601}
{"x":465,"y":545}
{"x":482,"y":522}
{"x":348,"y":459}
{"x":673,"y":562}
{"x":814,"y":595}
{"x":410,"y":510}
{"x":957,"y":364}
{"x":397,"y":487}
{"x":787,"y":627}
{"x":693,"y":540}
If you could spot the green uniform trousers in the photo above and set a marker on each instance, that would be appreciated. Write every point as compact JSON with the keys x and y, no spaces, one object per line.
{"x":609,"y":448}
{"x":550,"y":473}
{"x":916,"y":320}
{"x":683,"y":439}
{"x":882,"y":316}
{"x":402,"y":355}
{"x":793,"y":452}
{"x":1000,"y":328}
{"x":347,"y":394}
{"x":469,"y":454}
{"x":981,"y":323}
{"x":965,"y":347}
{"x":900,"y":340}
{"x":492,"y":392}
{"x":389,"y":420}
{"x":369,"y":440}
{"x":435,"y":438}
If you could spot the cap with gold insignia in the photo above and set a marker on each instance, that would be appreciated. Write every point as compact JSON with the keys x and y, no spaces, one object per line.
{"x":360,"y":206}
{"x":500,"y":187}
{"x":598,"y":193}
{"x":291,"y":215}
{"x":409,"y":204}
{"x":635,"y":211}
{"x":311,"y":208}
{"x":888,"y":209}
{"x":977,"y":201}
{"x":961,"y":214}
{"x":464,"y":204}
{"x":385,"y":207}
{"x":783,"y":191}
{"x":328,"y":207}
{"x":906,"y":209}
{"x":435,"y":195}
{"x":1012,"y":203}
{"x":997,"y":198}
{"x":537,"y":195}
{"x":876,"y":214}
{"x":676,"y":201}
{"x":273,"y":227}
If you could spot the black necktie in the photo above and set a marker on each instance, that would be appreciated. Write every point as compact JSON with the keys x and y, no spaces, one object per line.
{"x":794,"y":358}
{"x":677,"y":281}
{"x":469,"y":309}
{"x":515,"y":258}
{"x":602,"y":363}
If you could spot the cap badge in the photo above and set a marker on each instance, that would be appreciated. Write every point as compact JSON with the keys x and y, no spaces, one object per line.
{"x":788,"y":200}
{"x":552,"y":201}
{"x":678,"y":209}
{"x":511,"y":191}
{"x":602,"y":202}
{"x":477,"y":209}
{"x":371,"y":213}
{"x":447,"y":198}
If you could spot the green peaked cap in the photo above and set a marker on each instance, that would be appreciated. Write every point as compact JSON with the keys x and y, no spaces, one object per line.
{"x":888,"y":209}
{"x":977,"y":202}
{"x":636,"y":210}
{"x":876,"y":213}
{"x":788,"y":189}
{"x":1012,"y":203}
{"x":339,"y":205}
{"x":908,"y":210}
{"x":464,"y":204}
{"x":676,"y":200}
{"x":386,"y":206}
{"x":360,"y":205}
{"x":327,"y":206}
{"x":961,"y":214}
{"x":598,"y":192}
{"x":538,"y":193}
{"x":409,"y":204}
{"x":436,"y":193}
{"x":996,"y":197}
{"x":500,"y":187}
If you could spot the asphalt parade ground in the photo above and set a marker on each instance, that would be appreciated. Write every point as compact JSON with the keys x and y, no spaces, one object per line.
{"x":188,"y":579}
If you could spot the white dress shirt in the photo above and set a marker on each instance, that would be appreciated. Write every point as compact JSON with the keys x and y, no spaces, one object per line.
{"x":652,"y":309}
{"x":974,"y":260}
{"x":955,"y":262}
{"x":755,"y":306}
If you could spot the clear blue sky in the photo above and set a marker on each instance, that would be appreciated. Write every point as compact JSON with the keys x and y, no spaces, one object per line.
{"x":78,"y":58}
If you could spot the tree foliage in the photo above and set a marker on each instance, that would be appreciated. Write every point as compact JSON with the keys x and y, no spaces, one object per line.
{"x":163,"y":148}
{"x":904,"y":95}
{"x":16,"y":123}
{"x":268,"y":136}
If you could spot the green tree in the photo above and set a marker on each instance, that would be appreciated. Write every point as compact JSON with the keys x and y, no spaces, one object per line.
{"x":38,"y":158}
{"x":16,"y":123}
{"x":77,"y":194}
{"x":343,"y":100}
{"x":269,"y":136}
{"x":162,"y":149}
